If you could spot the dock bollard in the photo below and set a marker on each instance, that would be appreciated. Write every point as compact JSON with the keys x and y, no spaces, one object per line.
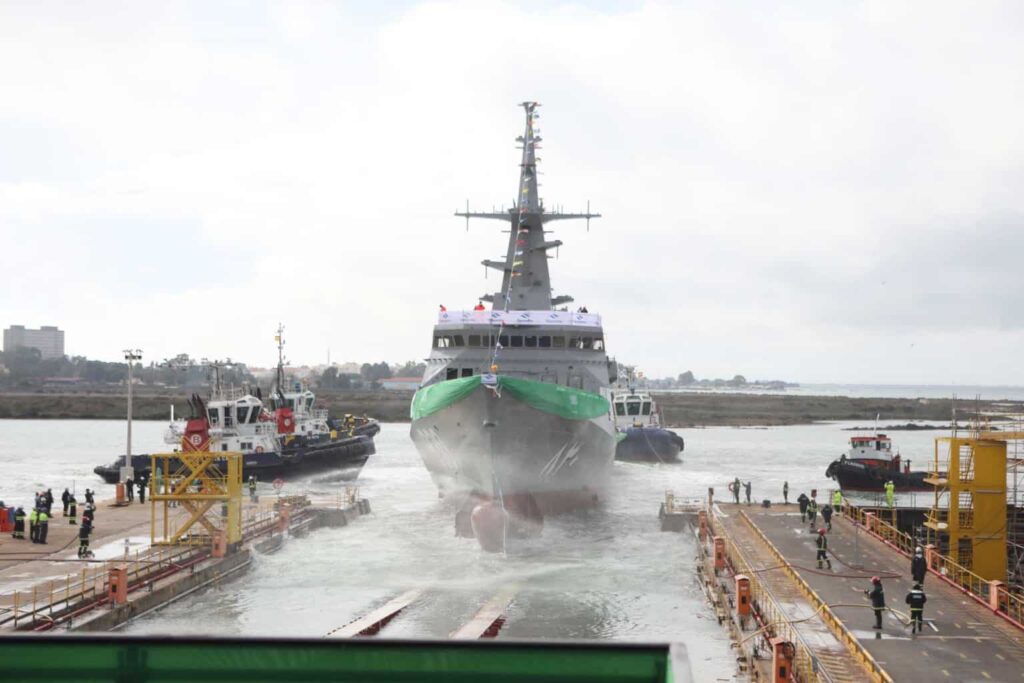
{"x":117,"y":585}
{"x":120,"y":495}
{"x":743,"y":598}
{"x":220,"y":544}
{"x":719,"y":554}
{"x":283,"y":516}
{"x":993,"y":594}
{"x":783,"y":653}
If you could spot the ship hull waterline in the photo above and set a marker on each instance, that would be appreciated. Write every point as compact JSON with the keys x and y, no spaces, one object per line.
{"x":492,"y":447}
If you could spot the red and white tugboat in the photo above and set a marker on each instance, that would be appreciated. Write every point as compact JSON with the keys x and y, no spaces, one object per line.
{"x":870,"y":463}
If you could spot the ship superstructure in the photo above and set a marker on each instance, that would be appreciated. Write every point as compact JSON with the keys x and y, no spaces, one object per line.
{"x":514,"y":407}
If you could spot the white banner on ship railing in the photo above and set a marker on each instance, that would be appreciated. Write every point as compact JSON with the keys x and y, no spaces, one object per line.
{"x":511,"y":318}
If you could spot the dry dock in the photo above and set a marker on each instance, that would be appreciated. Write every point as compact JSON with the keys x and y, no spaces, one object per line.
{"x":46,"y":587}
{"x":821,"y":621}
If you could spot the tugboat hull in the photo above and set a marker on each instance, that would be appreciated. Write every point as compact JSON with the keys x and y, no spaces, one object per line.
{"x":649,"y":444}
{"x":348,"y":455}
{"x":857,"y":476}
{"x":487,"y":447}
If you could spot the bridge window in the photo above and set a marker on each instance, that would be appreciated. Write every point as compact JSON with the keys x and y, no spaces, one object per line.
{"x":474,"y":340}
{"x":503,"y":340}
{"x":214,"y":415}
{"x":451,"y":373}
{"x":530,"y":342}
{"x":633,"y":407}
{"x":517,"y":341}
{"x":467,"y":372}
{"x":457,"y":340}
{"x":646,"y":409}
{"x":442,"y":342}
{"x":598,"y":344}
{"x":620,"y":408}
{"x":558,"y":342}
{"x":241,"y":412}
{"x":545,"y":342}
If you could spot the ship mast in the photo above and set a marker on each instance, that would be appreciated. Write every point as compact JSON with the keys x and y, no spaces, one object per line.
{"x":526,"y":283}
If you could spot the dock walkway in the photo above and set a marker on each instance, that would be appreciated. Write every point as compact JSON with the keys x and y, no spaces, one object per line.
{"x":963,"y":640}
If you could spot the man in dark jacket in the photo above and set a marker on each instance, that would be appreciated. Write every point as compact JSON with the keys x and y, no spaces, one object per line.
{"x":90,"y":497}
{"x":746,"y":489}
{"x":64,"y":498}
{"x":916,"y":599}
{"x":83,"y":537}
{"x":826,"y":515}
{"x":19,"y":523}
{"x":802,"y":499}
{"x":918,"y":566}
{"x":822,"y":543}
{"x":877,"y":596}
{"x":129,"y":489}
{"x":49,"y":501}
{"x":142,"y":489}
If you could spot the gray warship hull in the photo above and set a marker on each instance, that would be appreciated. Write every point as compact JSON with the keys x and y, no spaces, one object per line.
{"x":487,"y":447}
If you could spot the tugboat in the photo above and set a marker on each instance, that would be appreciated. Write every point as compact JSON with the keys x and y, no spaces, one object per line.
{"x":513,"y":419}
{"x":291,"y":439}
{"x":641,"y":436}
{"x":870,"y":464}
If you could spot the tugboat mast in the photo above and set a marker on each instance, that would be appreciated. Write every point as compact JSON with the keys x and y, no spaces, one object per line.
{"x":279,"y":338}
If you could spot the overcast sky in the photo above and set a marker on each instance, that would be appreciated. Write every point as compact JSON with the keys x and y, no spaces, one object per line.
{"x":830,"y":192}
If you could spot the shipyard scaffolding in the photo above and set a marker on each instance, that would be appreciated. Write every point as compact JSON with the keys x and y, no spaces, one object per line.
{"x":197,"y":500}
{"x":976,"y":518}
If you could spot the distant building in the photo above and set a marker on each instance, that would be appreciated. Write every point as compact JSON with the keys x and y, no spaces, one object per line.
{"x":48,"y":339}
{"x":402,"y":383}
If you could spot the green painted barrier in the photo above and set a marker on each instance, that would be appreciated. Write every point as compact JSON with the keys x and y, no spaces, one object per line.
{"x":198,"y":660}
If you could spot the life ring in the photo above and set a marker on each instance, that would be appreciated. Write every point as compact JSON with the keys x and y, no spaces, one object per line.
{"x":278,"y":483}
{"x":259,"y":449}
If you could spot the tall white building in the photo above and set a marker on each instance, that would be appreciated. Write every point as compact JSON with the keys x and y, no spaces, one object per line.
{"x":48,"y":339}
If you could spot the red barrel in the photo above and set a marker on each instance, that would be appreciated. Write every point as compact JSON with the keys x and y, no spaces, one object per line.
{"x":6,"y":519}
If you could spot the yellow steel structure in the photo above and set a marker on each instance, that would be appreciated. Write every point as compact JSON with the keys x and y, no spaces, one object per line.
{"x":969,"y":513}
{"x":185,"y":487}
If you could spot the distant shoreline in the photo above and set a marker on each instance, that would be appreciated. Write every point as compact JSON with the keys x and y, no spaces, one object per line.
{"x":704,"y":409}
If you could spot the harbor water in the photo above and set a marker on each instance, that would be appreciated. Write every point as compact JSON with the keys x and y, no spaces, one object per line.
{"x":606,"y":574}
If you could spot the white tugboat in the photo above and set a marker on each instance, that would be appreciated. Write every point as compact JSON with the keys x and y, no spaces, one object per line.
{"x":641,"y":438}
{"x":294,"y":437}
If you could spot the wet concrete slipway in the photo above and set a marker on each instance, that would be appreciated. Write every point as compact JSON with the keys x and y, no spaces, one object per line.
{"x":606,"y":574}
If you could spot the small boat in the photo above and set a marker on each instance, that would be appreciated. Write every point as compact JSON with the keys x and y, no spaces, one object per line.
{"x":641,"y":438}
{"x":870,"y":463}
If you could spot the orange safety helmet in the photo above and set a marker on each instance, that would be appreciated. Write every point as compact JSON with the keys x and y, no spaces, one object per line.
{"x":875,"y":579}
{"x":821,"y":531}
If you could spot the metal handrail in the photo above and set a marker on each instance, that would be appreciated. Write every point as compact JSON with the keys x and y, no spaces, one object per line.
{"x":835,"y":624}
{"x":1010,"y":603}
{"x":776,"y":617}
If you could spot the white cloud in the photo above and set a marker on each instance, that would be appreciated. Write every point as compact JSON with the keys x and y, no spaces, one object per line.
{"x":299,"y":162}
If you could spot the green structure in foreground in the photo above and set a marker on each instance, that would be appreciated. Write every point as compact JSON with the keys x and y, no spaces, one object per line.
{"x":161,"y":658}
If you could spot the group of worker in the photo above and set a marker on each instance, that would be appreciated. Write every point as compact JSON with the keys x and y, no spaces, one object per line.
{"x":915,"y":598}
{"x":735,"y":485}
{"x":131,"y":484}
{"x":39,"y":517}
